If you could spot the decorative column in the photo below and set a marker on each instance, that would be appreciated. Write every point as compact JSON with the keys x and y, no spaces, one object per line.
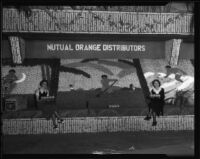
{"x":168,"y":50}
{"x":172,"y":48}
{"x":55,"y":70}
{"x":17,"y":49}
{"x":46,"y":72}
{"x":175,"y":52}
{"x":22,"y":47}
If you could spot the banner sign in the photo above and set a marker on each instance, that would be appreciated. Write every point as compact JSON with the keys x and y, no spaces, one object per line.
{"x":72,"y":49}
{"x":94,"y":49}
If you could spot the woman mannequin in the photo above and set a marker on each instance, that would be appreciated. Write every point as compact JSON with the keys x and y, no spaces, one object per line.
{"x":47,"y":109}
{"x":157,"y":96}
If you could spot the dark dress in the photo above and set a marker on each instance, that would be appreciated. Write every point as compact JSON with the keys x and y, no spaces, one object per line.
{"x":47,"y":107}
{"x":157,"y":103}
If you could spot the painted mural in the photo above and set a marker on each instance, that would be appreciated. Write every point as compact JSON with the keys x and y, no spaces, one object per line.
{"x":26,"y":81}
{"x":99,"y":83}
{"x":106,"y":82}
{"x":81,"y":74}
{"x":85,"y":74}
{"x":177,"y":82}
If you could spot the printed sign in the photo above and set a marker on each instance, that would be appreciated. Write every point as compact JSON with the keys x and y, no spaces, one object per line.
{"x":94,"y":47}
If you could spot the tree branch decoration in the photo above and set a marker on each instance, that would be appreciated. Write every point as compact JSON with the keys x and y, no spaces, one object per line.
{"x":172,"y":20}
{"x":91,"y":65}
{"x":88,"y":60}
{"x":138,"y":24}
{"x":74,"y":70}
{"x":96,"y":17}
{"x":53,"y":18}
{"x":78,"y":16}
{"x":25,"y":9}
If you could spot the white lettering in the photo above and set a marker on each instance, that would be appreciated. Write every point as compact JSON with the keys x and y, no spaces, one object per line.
{"x":139,"y":47}
{"x":79,"y":47}
{"x":66,"y":47}
{"x":95,"y":47}
{"x":110,"y":47}
{"x":62,"y":47}
{"x":105,"y":47}
{"x":50,"y":47}
{"x":143,"y":48}
{"x":70,"y":47}
{"x":98,"y":47}
{"x":118,"y":47}
{"x":86,"y":48}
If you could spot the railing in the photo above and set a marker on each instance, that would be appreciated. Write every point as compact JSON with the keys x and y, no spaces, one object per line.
{"x":104,"y":22}
{"x":97,"y":125}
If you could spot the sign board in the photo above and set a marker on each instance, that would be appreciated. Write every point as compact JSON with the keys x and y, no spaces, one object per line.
{"x":94,"y":49}
{"x":50,"y":49}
